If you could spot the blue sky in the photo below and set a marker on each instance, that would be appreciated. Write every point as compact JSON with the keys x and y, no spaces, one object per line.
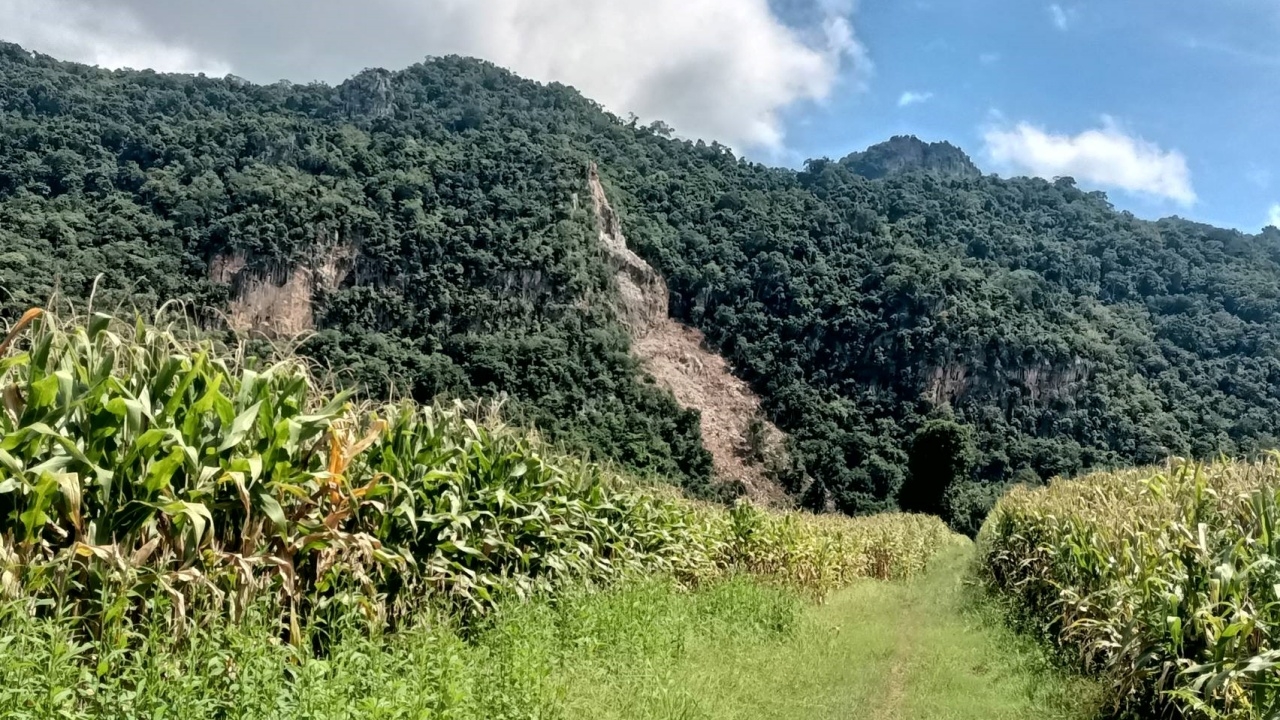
{"x":1170,"y":106}
{"x":1201,"y":79}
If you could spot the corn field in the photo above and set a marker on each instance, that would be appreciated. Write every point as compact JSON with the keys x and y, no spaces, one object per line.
{"x":1165,"y":580}
{"x":143,"y":473}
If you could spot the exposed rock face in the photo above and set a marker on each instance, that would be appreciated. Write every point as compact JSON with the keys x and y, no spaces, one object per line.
{"x":277,"y":301}
{"x":368,"y":95}
{"x":907,"y":153}
{"x":733,"y":428}
{"x":1041,"y":383}
{"x":642,"y":291}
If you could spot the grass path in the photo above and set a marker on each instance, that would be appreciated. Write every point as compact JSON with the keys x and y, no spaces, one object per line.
{"x":879,"y":651}
{"x":893,"y":701}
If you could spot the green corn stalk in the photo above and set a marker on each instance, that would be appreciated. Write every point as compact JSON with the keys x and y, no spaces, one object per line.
{"x":145,"y":470}
{"x":1164,"y":579}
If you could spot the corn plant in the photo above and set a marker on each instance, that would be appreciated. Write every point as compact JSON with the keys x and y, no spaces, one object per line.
{"x":146,"y":470}
{"x":1164,"y":579}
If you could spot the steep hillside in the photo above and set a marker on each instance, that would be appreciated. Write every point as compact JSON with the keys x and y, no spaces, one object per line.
{"x":425,"y":259}
{"x":437,"y":223}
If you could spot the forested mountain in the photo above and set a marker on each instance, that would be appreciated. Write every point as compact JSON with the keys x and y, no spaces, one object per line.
{"x":431,"y":225}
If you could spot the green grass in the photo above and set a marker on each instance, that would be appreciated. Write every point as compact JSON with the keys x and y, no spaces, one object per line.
{"x":535,"y":660}
{"x":917,"y":650}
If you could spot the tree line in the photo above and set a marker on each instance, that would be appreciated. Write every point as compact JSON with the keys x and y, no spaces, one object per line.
{"x":887,"y":303}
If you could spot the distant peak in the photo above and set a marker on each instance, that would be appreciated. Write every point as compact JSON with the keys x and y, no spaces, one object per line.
{"x":369,"y":93}
{"x":908,"y":153}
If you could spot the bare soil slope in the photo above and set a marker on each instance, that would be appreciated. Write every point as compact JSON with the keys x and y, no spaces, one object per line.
{"x":733,"y":428}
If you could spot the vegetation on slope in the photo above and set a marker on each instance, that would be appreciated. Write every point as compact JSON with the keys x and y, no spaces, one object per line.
{"x":474,"y":273}
{"x":1164,"y":580}
{"x":1063,"y":334}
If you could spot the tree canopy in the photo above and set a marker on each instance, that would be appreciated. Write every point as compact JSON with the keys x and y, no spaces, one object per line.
{"x":939,"y":458}
{"x":1062,"y":333}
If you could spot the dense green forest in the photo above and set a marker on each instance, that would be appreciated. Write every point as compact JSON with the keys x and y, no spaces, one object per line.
{"x":865,"y":298}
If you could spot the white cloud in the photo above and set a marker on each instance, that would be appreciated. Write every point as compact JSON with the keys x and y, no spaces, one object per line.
{"x":722,"y":69}
{"x":110,"y":37}
{"x":912,"y":98}
{"x":1273,"y":215}
{"x":1105,"y":156}
{"x":989,"y":58}
{"x":1061,"y":17}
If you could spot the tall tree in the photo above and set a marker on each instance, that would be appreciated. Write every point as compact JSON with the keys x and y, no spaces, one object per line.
{"x":941,"y":456}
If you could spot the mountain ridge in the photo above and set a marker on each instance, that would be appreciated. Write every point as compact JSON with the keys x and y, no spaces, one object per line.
{"x":1064,"y":335}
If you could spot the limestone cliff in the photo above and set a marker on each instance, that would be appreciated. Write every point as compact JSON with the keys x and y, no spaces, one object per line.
{"x":276,"y":301}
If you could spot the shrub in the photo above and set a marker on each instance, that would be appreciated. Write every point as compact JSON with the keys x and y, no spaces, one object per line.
{"x":967,"y":504}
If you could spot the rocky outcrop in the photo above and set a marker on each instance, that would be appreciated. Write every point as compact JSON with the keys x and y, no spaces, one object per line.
{"x":276,"y":300}
{"x":906,"y":154}
{"x":1040,"y":383}
{"x":368,"y":95}
{"x":642,"y":292}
